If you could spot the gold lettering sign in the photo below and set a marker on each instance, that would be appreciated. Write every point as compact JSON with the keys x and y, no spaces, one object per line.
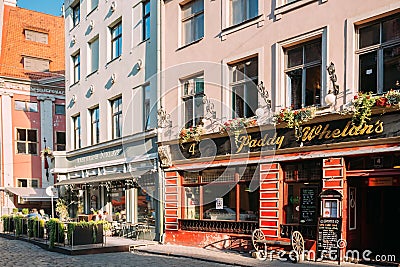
{"x":247,"y":141}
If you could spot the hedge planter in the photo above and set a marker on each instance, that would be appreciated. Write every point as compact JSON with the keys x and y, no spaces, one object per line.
{"x":8,"y":224}
{"x":56,"y":232}
{"x":85,"y":233}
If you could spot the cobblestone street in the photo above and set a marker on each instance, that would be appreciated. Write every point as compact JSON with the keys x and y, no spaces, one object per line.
{"x":19,"y":253}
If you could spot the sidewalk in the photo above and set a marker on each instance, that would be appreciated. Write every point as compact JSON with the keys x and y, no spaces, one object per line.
{"x":226,"y":257}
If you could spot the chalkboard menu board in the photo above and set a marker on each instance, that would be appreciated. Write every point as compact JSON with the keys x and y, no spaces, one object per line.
{"x":308,"y":205}
{"x":329,"y":234}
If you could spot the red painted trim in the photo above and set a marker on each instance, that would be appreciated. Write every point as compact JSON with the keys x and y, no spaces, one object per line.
{"x":269,"y":176}
{"x":269,"y":213}
{"x":268,"y":195}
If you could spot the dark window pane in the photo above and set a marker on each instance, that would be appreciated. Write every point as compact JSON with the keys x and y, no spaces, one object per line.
{"x":21,"y":134}
{"x":313,"y":52}
{"x":238,"y":73}
{"x":32,"y":137}
{"x":21,"y":147}
{"x":313,"y":86}
{"x":35,"y":183}
{"x":60,"y":138}
{"x":391,"y":30}
{"x":369,"y":35}
{"x":368,"y":72}
{"x":32,"y":148}
{"x":199,"y":109}
{"x":295,"y":57}
{"x":238,"y":101}
{"x":252,"y":8}
{"x":22,"y":183}
{"x":295,"y":85}
{"x":391,"y":67}
{"x":60,"y":109}
{"x":251,"y":68}
{"x":189,"y":112}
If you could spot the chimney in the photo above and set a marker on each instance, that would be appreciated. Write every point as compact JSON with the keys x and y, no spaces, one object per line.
{"x":10,"y":2}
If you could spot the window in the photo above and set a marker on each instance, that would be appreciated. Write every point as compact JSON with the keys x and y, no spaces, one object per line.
{"x":116,"y":41}
{"x":379,"y":55}
{"x":26,"y":106}
{"x":214,"y":194}
{"x":27,"y":141}
{"x":192,"y":21}
{"x":94,"y":55}
{"x":116,"y":107}
{"x":244,"y":80}
{"x":93,"y":4}
{"x":95,"y":125}
{"x":60,"y":141}
{"x":59,"y":109}
{"x":303,"y":72}
{"x":76,"y":123}
{"x":302,"y":188}
{"x":242,"y":10}
{"x":193,"y":93}
{"x":28,"y":183}
{"x":76,"y":61}
{"x":38,"y":37}
{"x":36,"y":64}
{"x":76,"y":14}
{"x":146,"y":107}
{"x":146,"y":20}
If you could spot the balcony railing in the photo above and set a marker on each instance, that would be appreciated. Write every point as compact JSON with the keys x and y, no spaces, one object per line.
{"x":218,"y":226}
{"x":308,"y":231}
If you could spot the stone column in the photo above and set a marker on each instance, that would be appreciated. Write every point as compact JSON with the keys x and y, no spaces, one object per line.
{"x":46,"y":131}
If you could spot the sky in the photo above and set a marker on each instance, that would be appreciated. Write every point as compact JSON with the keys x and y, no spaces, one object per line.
{"x":52,"y":7}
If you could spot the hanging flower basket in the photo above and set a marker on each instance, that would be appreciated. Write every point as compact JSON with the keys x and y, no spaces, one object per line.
{"x":194,"y":133}
{"x":295,"y":118}
{"x":237,"y":126}
{"x":47,"y":152}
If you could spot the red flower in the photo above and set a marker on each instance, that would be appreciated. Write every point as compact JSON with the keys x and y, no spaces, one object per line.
{"x":296,"y":112}
{"x":355,"y":97}
{"x":282,"y":115}
{"x":368,"y":96}
{"x":382,"y":101}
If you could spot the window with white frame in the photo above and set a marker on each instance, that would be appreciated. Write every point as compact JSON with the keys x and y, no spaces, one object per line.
{"x":94,"y":55}
{"x":379,"y":55}
{"x":116,"y":40}
{"x":95,"y":125}
{"x":39,"y":37}
{"x":146,"y":107}
{"x":192,"y":21}
{"x":76,"y":14}
{"x":242,"y":10}
{"x":146,"y":20}
{"x":243,"y":83}
{"x":27,"y":141}
{"x":76,"y":67}
{"x":26,"y":106}
{"x":303,"y":74}
{"x":93,"y":4}
{"x":116,"y":117}
{"x":60,"y":141}
{"x":76,"y":127}
{"x":193,"y":93}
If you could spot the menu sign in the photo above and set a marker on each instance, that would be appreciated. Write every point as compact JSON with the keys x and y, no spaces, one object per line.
{"x":329,"y":237}
{"x":308,"y":205}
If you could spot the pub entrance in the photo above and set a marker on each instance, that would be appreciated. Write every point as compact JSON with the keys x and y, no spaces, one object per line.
{"x":376,"y":215}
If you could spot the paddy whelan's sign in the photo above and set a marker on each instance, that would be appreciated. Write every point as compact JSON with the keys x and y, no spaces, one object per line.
{"x":338,"y":131}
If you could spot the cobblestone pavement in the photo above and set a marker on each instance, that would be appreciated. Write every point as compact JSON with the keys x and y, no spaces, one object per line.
{"x":20,"y":253}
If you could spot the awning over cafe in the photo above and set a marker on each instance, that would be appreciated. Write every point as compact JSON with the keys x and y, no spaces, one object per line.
{"x":30,"y":194}
{"x":104,"y":178}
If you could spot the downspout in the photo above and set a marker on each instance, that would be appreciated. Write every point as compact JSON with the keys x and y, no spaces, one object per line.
{"x":160,"y":183}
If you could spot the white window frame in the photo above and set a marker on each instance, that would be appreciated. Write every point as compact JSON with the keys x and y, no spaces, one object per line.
{"x":27,"y":106}
{"x":38,"y":37}
{"x":115,"y":39}
{"x":281,"y":98}
{"x":192,"y":17}
{"x":247,"y":18}
{"x":190,"y":82}
{"x":94,"y":126}
{"x":76,"y":67}
{"x":144,"y":17}
{"x":90,"y":64}
{"x":27,"y":142}
{"x":284,"y":6}
{"x":114,"y":114}
{"x":75,"y":20}
{"x":28,"y":182}
{"x":76,"y":131}
{"x":147,"y":108}
{"x":57,"y":143}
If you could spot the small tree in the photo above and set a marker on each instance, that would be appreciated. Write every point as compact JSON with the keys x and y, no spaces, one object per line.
{"x":62,"y":209}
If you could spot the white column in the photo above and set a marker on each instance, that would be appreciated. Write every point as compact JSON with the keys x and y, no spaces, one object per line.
{"x":46,"y":129}
{"x":131,"y":205}
{"x":7,"y":140}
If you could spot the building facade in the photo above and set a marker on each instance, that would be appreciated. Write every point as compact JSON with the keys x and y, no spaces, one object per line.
{"x":227,"y":67}
{"x":112,"y":55}
{"x":32,"y":104}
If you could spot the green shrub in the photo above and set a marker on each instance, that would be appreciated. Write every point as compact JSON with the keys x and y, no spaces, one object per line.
{"x":56,"y":231}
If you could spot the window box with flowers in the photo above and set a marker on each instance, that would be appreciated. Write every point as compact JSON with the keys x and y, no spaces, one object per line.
{"x":191,"y":133}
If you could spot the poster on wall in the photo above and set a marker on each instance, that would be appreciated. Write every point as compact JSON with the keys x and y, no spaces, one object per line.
{"x":219,"y":203}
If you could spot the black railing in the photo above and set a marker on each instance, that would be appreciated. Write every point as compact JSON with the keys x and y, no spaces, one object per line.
{"x":308,"y":231}
{"x":218,"y":226}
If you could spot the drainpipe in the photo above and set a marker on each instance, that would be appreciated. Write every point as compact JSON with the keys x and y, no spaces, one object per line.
{"x":160,"y":181}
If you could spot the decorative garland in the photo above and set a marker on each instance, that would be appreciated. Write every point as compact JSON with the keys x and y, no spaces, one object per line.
{"x":295,"y":118}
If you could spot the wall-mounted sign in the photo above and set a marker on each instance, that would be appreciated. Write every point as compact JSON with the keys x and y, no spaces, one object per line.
{"x":219,"y":203}
{"x":330,"y":132}
{"x":381,"y":181}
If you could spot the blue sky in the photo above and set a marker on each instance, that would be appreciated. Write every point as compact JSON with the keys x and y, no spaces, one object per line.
{"x":52,"y":7}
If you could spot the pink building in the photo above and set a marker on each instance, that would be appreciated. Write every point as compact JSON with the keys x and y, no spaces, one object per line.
{"x":32,"y":104}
